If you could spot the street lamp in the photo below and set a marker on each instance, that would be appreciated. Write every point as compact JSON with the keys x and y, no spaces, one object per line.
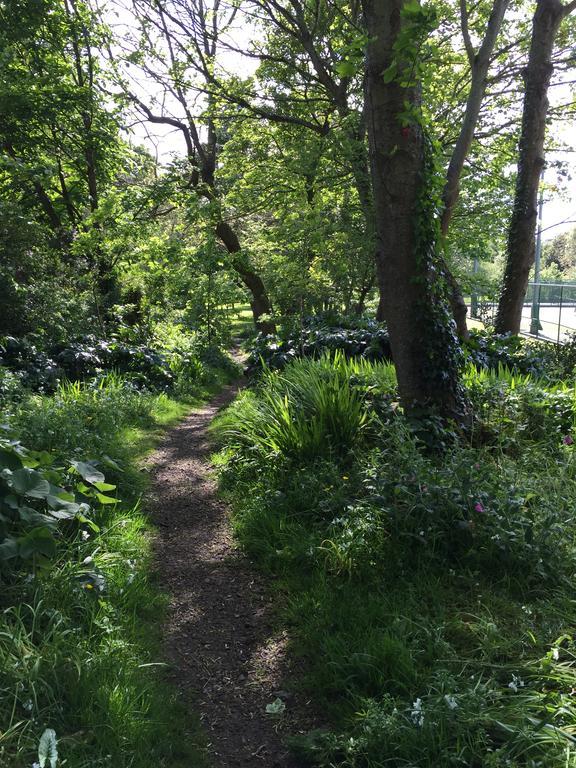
{"x":535,"y":325}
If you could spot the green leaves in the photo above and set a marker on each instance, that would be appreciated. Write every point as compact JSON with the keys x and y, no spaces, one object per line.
{"x":28,"y":482}
{"x":38,"y":541}
{"x":40,"y":505}
{"x":346,"y":68}
{"x":88,"y":471}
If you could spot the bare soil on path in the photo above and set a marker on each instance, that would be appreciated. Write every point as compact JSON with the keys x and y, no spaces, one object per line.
{"x":226,"y":658}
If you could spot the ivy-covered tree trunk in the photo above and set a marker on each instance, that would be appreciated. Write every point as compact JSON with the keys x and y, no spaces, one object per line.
{"x":521,"y":235}
{"x":424,"y":347}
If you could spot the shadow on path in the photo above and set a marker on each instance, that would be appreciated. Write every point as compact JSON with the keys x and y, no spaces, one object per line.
{"x":225,"y":657}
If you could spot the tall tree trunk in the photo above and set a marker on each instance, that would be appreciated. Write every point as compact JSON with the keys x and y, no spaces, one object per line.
{"x":479,"y":65}
{"x":424,"y":348}
{"x":521,"y":235}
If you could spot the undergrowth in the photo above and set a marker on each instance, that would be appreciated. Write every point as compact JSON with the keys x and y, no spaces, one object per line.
{"x":429,"y":596}
{"x":79,"y":619}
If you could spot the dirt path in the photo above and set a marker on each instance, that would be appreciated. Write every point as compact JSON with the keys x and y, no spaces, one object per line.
{"x":226,"y":659}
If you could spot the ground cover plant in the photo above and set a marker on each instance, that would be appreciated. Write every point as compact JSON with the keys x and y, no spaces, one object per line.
{"x":428,"y":594}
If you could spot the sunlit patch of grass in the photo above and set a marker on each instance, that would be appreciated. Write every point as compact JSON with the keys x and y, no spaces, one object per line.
{"x":240,"y":320}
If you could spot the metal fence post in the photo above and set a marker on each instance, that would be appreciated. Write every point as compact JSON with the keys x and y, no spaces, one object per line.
{"x":560,"y":312}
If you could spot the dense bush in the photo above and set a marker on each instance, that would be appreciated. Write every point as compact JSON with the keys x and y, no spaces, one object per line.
{"x":362,"y":338}
{"x":182,"y":368}
{"x":486,"y":349}
{"x":315,"y":407}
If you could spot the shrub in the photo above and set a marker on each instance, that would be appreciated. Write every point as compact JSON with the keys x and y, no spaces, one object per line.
{"x":42,"y":502}
{"x":364,"y":338}
{"x":488,"y":350}
{"x":35,"y":368}
{"x":184,"y":368}
{"x":315,"y":408}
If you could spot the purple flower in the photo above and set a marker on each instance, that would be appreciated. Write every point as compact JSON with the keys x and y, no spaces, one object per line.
{"x":567,"y":440}
{"x":478,"y":507}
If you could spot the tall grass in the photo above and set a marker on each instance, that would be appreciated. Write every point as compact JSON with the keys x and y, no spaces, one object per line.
{"x":79,"y":640}
{"x":314,"y":408}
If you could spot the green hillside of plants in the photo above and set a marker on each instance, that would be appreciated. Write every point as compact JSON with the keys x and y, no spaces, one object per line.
{"x":427,"y":585}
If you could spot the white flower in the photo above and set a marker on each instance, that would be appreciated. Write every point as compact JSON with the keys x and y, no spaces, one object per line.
{"x":515,"y":683}
{"x":417,"y":715}
{"x":28,"y":705}
{"x":451,"y":701}
{"x":555,"y":654}
{"x":85,"y":535}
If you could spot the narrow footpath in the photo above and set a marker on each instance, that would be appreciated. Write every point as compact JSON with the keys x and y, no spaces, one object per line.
{"x":226,"y":660}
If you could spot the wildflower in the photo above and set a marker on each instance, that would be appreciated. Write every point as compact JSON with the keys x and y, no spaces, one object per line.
{"x":85,"y":535}
{"x":345,"y":477}
{"x":555,"y":654}
{"x":417,"y":715}
{"x":478,"y":507}
{"x":28,"y":705}
{"x":515,"y":683}
{"x":451,"y":701}
{"x":88,"y":586}
{"x":567,"y":440}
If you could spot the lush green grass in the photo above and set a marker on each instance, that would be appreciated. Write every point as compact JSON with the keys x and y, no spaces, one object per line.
{"x":239,"y":320}
{"x":79,"y":640}
{"x":429,"y":597}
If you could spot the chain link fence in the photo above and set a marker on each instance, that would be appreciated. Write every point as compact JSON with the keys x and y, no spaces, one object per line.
{"x":549,"y":311}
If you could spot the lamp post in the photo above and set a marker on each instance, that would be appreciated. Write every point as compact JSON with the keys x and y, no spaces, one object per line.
{"x":535,"y":325}
{"x":474,"y":292}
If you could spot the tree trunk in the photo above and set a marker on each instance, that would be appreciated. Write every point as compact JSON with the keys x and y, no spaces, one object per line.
{"x":424,"y":348}
{"x":479,"y":65}
{"x":521,"y":235}
{"x":260,"y":303}
{"x":457,"y":303}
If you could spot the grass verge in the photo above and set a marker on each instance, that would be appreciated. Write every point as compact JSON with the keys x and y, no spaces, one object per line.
{"x":79,"y":638}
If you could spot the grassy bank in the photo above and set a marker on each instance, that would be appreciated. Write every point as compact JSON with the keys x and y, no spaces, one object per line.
{"x":428,"y":594}
{"x":79,"y":624}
